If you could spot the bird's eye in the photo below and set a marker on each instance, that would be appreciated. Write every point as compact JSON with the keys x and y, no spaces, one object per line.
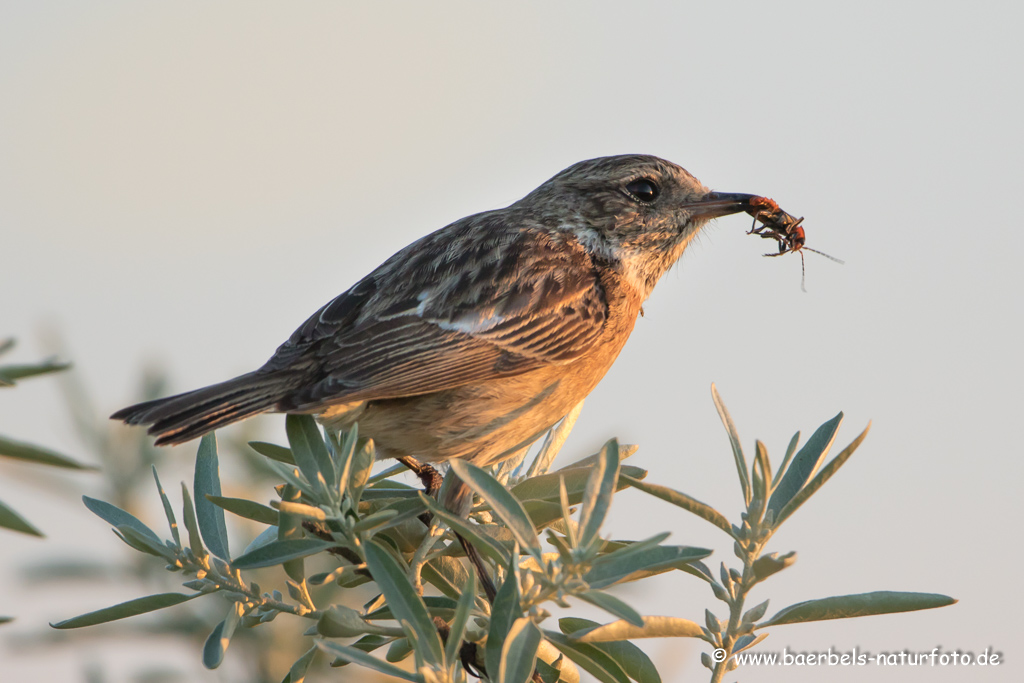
{"x":644,"y":190}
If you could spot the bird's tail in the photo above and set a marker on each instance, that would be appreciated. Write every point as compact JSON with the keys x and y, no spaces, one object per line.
{"x":180,"y":418}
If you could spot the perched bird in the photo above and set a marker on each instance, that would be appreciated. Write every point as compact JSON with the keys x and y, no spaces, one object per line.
{"x":474,"y":340}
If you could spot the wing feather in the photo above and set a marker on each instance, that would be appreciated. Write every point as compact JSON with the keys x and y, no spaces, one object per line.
{"x":477,"y":300}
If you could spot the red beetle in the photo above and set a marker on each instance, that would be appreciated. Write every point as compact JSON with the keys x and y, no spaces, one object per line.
{"x":778,"y":225}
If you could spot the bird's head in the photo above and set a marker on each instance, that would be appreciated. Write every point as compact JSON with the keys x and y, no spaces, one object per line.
{"x":635,"y":212}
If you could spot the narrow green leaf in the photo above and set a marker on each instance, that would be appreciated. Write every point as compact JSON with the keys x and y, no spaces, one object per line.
{"x":289,"y":528}
{"x":626,"y":450}
{"x":790,"y":450}
{"x":698,"y":569}
{"x":9,"y":374}
{"x":634,"y":662}
{"x":297,"y":672}
{"x":124,"y":610}
{"x":755,"y":614}
{"x":144,"y":543}
{"x":362,"y":468}
{"x":711,"y":622}
{"x":548,"y":673}
{"x":612,"y":605}
{"x":553,"y":442}
{"x":340,"y":621}
{"x":463,"y":611}
{"x":9,"y":519}
{"x":748,"y":641}
{"x":597,"y":498}
{"x":546,"y":486}
{"x":406,"y":604}
{"x":172,"y":523}
{"x":688,"y":503}
{"x":571,"y":529}
{"x":344,"y":454}
{"x":118,"y":517}
{"x":519,"y":652}
{"x":804,"y":465}
{"x":471,"y":532}
{"x":385,"y":474}
{"x":446,"y":574}
{"x":391,"y":515}
{"x":273,"y":451}
{"x":367,"y":643}
{"x":542,"y":513}
{"x":824,"y":475}
{"x":39,"y":455}
{"x":383,"y":492}
{"x":207,"y":483}
{"x":248,"y":509}
{"x":767,"y":565}
{"x":858,"y":605}
{"x":616,"y":550}
{"x":356,"y":655}
{"x":734,"y":441}
{"x":348,"y":443}
{"x":589,"y":657}
{"x":214,"y":647}
{"x":377,"y":519}
{"x":309,"y":450}
{"x":291,"y":475}
{"x":564,"y":551}
{"x":195,"y":543}
{"x":762,"y":470}
{"x":504,"y":612}
{"x":266,"y":536}
{"x":605,"y":573}
{"x":437,"y":606}
{"x":503,"y":503}
{"x":399,"y":650}
{"x":654,"y":627}
{"x":279,"y":552}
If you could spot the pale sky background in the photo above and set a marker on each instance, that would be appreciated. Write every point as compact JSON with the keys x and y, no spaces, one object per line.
{"x":184,"y":185}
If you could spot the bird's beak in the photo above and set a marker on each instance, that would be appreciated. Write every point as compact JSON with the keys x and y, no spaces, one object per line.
{"x":715,"y":204}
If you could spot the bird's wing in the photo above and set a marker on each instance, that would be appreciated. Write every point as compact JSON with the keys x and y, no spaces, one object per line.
{"x":462,"y":305}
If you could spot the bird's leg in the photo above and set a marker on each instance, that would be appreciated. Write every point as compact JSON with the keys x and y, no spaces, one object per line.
{"x":457,"y":498}
{"x":481,"y":569}
{"x":429,"y":477}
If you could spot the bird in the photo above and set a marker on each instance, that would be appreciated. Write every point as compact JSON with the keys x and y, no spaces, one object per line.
{"x":474,"y":340}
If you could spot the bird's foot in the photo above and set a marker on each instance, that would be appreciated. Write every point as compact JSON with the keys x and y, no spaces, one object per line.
{"x":428,"y":475}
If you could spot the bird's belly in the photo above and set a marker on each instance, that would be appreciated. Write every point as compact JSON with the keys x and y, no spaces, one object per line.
{"x":488,"y":422}
{"x":483,"y":423}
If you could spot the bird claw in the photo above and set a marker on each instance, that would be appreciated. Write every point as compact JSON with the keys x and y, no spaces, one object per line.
{"x":427,"y":474}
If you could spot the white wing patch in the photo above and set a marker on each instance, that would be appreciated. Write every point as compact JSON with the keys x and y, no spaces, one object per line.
{"x":472,"y":323}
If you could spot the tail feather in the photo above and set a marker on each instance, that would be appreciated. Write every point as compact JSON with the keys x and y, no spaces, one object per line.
{"x":181,"y":418}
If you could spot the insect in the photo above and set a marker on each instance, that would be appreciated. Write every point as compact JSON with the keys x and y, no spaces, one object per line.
{"x":782,"y":227}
